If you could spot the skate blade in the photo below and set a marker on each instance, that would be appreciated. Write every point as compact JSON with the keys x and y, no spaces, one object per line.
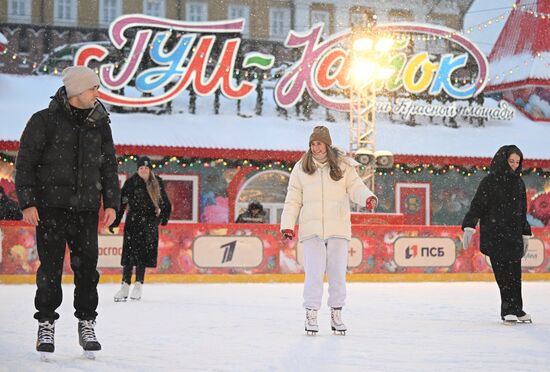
{"x":135,"y":299}
{"x":311,"y":332}
{"x":88,"y":354}
{"x":509,"y":322}
{"x":121,"y":299}
{"x":525,"y":321}
{"x":341,"y":332}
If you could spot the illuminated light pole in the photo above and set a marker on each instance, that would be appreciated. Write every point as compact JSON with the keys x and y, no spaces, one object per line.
{"x":367,"y":69}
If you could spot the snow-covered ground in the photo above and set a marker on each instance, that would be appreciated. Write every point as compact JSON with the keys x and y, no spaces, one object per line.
{"x":20,"y":96}
{"x":259,"y":327}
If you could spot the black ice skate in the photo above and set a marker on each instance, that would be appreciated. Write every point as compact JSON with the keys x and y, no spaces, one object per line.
{"x":87,"y":338}
{"x":336,"y":324}
{"x":311,"y":325}
{"x":45,"y":340}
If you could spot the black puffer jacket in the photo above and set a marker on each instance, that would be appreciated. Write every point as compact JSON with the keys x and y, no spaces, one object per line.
{"x":500,"y":205}
{"x":67,"y":163}
{"x":141,"y":234}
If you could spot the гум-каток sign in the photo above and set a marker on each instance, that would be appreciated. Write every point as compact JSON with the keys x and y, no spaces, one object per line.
{"x":323,"y":65}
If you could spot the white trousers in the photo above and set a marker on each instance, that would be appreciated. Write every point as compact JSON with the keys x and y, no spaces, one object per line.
{"x":320,"y":256}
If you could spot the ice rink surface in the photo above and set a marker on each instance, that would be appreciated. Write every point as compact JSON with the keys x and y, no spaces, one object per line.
{"x":259,"y":327}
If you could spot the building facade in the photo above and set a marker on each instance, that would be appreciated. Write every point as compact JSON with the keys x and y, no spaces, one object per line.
{"x":36,"y":28}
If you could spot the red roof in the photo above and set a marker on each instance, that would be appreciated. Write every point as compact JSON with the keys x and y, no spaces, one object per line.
{"x":525,"y":33}
{"x":3,"y":43}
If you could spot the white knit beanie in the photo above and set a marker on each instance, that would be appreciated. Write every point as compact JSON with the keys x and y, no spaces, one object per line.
{"x":78,"y":79}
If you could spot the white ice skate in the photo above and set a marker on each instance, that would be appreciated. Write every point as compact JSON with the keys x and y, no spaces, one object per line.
{"x":136,"y":291}
{"x":122,"y":293}
{"x":45,"y":339}
{"x":525,"y":318}
{"x":311,"y":325}
{"x":514,"y":319}
{"x":336,"y":324}
{"x":510,"y":319}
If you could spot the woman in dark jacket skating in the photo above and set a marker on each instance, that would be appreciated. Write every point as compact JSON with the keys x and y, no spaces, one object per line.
{"x":148,"y":205}
{"x":500,"y":205}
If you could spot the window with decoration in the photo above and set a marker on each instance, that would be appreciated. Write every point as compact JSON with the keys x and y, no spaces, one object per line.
{"x":269,"y":189}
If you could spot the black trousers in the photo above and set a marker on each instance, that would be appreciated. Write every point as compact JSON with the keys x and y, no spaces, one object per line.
{"x":56,"y":229}
{"x":508,"y":277}
{"x":127,"y":273}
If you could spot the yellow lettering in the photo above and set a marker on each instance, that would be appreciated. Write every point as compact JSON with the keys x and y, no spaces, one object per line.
{"x":420,"y":62}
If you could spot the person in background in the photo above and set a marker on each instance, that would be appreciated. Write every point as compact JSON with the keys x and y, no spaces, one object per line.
{"x":319,"y":192}
{"x":9,"y":209}
{"x":65,"y":168}
{"x":500,"y":206}
{"x":148,"y":206}
{"x":254,"y":214}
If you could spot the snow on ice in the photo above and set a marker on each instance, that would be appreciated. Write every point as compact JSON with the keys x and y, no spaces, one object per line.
{"x":260,"y":327}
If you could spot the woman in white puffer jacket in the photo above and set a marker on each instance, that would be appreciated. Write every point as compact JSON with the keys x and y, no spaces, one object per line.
{"x":319,"y":192}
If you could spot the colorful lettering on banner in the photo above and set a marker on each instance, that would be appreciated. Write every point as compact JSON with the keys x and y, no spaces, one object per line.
{"x":171,"y":64}
{"x":323,"y":65}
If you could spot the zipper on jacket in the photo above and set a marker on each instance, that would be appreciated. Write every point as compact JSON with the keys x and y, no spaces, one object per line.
{"x":322,"y":201}
{"x":79,"y":166}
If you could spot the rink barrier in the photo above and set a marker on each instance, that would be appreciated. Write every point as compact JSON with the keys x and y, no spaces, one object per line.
{"x":284,"y":278}
{"x":248,"y":253}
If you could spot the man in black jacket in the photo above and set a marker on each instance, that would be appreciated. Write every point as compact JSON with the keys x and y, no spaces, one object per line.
{"x":65,"y":167}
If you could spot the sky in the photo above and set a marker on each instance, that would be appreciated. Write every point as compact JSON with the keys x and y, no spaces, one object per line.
{"x":479,"y":13}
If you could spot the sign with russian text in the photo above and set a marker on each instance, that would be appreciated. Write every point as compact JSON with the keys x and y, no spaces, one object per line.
{"x":424,"y":252}
{"x":182,"y":56}
{"x":110,"y":251}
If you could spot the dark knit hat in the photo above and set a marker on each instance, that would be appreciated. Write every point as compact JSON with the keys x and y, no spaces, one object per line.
{"x":144,"y":161}
{"x":321,"y":134}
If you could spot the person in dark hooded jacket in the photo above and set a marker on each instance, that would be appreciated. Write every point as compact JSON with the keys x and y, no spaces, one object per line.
{"x":254,"y":214}
{"x":500,"y":206}
{"x":148,"y":206}
{"x":65,"y":168}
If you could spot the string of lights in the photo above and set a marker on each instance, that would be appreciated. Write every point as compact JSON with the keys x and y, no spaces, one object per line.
{"x":197,"y":163}
{"x":522,"y":65}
